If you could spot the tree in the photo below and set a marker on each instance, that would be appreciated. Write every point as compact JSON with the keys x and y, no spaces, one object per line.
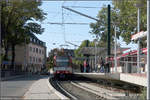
{"x":100,"y":28}
{"x":123,"y":16}
{"x":18,"y":22}
{"x":85,"y":43}
{"x":127,"y":17}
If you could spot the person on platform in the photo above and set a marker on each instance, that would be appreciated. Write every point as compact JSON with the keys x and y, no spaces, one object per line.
{"x":99,"y":66}
{"x":102,"y":65}
{"x":85,"y":65}
{"x":81,"y":68}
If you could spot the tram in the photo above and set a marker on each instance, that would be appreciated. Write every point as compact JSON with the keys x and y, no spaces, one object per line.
{"x":62,"y":66}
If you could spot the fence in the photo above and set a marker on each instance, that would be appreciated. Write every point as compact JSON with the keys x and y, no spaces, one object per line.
{"x":128,"y":64}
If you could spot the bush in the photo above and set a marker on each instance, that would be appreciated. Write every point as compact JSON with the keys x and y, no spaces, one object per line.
{"x":144,"y":94}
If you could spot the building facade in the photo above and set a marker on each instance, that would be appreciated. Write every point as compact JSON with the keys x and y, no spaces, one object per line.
{"x":30,"y":57}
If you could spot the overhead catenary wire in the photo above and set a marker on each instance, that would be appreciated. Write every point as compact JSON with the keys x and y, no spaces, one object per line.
{"x":80,"y":13}
{"x":69,"y":23}
{"x":82,"y":7}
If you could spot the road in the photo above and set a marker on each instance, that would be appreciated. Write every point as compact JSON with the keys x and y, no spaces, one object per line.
{"x":16,"y":88}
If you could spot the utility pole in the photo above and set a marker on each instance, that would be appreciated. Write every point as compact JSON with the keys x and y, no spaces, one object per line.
{"x":115,"y":50}
{"x":138,"y":5}
{"x":96,"y":53}
{"x":138,"y":53}
{"x":148,"y":49}
{"x":108,"y":34}
{"x":95,"y":57}
{"x":108,"y":39}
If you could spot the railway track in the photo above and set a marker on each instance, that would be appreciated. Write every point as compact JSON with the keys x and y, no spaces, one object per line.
{"x":75,"y":91}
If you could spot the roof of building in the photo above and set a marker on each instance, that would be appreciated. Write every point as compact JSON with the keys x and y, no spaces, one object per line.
{"x":37,"y":41}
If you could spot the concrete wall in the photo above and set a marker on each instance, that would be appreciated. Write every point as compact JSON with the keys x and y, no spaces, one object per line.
{"x":134,"y":79}
{"x":129,"y":78}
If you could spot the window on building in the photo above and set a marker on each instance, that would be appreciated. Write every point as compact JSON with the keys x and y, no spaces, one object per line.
{"x":33,"y":59}
{"x":36,"y":50}
{"x":43,"y":61}
{"x":30,"y":59}
{"x":33,"y":49}
{"x":39,"y":51}
{"x":44,"y":44}
{"x":36,"y":59}
{"x":39,"y":59}
{"x":37,"y":41}
{"x":30,"y":48}
{"x":42,"y":52}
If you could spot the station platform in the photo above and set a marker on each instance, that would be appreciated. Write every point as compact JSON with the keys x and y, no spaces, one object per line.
{"x":132,"y":78}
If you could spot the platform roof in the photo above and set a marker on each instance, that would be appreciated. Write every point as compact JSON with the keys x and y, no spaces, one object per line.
{"x":99,"y":50}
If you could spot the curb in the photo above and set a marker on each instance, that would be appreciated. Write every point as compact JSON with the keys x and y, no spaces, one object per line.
{"x":61,"y":96}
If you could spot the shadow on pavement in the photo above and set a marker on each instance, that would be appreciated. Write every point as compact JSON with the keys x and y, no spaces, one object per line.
{"x":29,"y":78}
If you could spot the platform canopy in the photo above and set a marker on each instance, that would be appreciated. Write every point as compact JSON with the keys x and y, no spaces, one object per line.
{"x":99,"y":51}
{"x":91,"y":50}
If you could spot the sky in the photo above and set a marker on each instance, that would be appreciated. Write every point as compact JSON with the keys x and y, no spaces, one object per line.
{"x":56,"y":35}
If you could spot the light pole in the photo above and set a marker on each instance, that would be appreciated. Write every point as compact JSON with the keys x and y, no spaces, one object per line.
{"x":138,"y":5}
{"x":115,"y":51}
{"x":138,"y":55}
{"x":95,"y":56}
{"x":95,"y":42}
{"x":148,"y":49}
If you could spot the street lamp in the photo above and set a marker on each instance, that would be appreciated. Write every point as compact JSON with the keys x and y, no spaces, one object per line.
{"x":115,"y":50}
{"x":115,"y":46}
{"x":95,"y":43}
{"x":148,"y":50}
{"x":138,"y":5}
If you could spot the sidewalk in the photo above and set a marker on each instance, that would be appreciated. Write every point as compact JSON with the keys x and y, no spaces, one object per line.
{"x":41,"y":89}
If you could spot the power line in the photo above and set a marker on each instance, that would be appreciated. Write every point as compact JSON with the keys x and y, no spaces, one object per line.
{"x":82,"y":7}
{"x":80,"y":13}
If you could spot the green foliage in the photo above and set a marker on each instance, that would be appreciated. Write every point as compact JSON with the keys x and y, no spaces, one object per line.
{"x":85,"y":43}
{"x":18,"y":21}
{"x":127,"y":19}
{"x":50,"y":62}
{"x":143,"y":95}
{"x":123,"y":16}
{"x":100,"y":28}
